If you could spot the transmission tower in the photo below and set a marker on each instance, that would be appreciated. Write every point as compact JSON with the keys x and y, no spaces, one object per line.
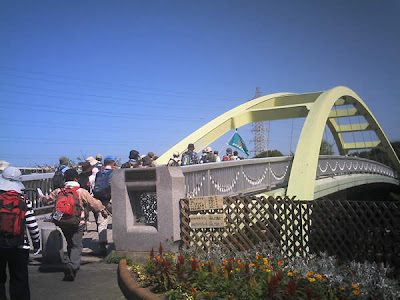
{"x":259,"y":129}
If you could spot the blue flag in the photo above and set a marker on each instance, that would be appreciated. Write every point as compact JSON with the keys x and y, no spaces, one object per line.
{"x":237,"y":142}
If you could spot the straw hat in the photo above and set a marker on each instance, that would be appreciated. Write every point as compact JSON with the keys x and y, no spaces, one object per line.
{"x":91,"y":160}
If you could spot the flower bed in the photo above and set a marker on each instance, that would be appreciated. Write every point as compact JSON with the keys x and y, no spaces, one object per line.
{"x":262,"y":273}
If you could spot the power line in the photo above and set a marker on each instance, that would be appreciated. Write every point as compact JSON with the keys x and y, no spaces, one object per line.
{"x":86,"y":113}
{"x":102,"y":83}
{"x":126,"y":101}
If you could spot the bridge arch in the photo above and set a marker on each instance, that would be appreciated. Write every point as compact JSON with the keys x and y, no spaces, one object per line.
{"x":318,"y":110}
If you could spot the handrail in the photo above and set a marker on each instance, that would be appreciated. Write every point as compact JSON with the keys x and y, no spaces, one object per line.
{"x":244,"y":176}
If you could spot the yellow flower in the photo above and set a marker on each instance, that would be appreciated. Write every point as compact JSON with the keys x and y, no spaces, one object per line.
{"x":258,"y":257}
{"x":268,"y":270}
{"x":355,"y":292}
{"x":280,"y":263}
{"x":251,"y":265}
{"x":355,"y":286}
{"x":295,"y":271}
{"x":310,"y":279}
{"x":226,"y":274}
{"x":310,"y":273}
{"x":174,"y":256}
{"x":166,"y":254}
{"x":319,"y":276}
{"x":237,"y":269}
{"x":290,"y":273}
{"x":265,"y":261}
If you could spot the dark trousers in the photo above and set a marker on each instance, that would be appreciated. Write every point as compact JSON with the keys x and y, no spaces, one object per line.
{"x":17,"y":261}
{"x":74,"y":245}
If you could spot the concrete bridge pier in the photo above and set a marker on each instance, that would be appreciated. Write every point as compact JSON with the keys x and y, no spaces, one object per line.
{"x":132,"y":230}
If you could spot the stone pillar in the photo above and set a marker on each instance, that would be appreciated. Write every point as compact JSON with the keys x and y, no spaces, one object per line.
{"x":129,"y":232}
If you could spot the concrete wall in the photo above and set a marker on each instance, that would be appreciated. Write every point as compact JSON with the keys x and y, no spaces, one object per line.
{"x":129,"y":232}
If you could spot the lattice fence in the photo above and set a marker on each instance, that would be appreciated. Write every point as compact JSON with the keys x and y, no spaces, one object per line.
{"x":249,"y":221}
{"x":349,"y":230}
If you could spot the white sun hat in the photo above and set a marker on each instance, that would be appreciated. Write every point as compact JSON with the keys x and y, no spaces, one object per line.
{"x":11,"y":179}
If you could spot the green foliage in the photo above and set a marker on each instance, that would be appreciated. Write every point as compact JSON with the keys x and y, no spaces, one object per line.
{"x":269,"y":153}
{"x":326,"y":148}
{"x":115,"y":258}
{"x":377,"y":154}
{"x":264,"y":273}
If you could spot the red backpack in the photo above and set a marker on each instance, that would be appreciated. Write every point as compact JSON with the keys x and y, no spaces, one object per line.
{"x":12,"y":219}
{"x":67,"y":211}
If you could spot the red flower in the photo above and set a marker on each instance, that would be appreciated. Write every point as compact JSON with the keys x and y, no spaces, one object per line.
{"x":247,"y":269}
{"x":160,"y":249}
{"x":194,"y":264}
{"x":279,"y":275}
{"x":273,"y":285}
{"x":209,"y":267}
{"x":292,"y":287}
{"x":309,"y":293}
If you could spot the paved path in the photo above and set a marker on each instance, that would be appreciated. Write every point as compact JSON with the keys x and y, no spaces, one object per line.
{"x":95,"y":279}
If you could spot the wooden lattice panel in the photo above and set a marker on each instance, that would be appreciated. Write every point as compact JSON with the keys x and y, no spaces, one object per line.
{"x":349,"y":230}
{"x":249,"y":221}
{"x":356,"y":230}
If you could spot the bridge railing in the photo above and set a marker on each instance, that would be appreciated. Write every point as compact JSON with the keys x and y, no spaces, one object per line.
{"x":236,"y":177}
{"x":329,"y":165}
{"x":242,"y":176}
{"x":43,"y":181}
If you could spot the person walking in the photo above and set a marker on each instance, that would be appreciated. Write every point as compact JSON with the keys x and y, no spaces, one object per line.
{"x":217,"y":158}
{"x":174,"y":160}
{"x":58,"y":179}
{"x":74,"y":233}
{"x":190,"y":157}
{"x":14,"y":245}
{"x":133,"y":162}
{"x":102,"y":191}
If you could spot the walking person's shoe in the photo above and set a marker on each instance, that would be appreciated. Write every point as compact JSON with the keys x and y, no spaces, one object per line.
{"x":103,"y":249}
{"x":69,"y":273}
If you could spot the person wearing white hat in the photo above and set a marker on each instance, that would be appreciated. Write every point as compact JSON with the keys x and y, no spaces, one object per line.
{"x":3,"y":164}
{"x":174,"y":160}
{"x":14,"y":246}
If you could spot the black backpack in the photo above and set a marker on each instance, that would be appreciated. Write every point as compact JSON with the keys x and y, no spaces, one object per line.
{"x":58,"y":179}
{"x":102,"y":187}
{"x":84,"y":180}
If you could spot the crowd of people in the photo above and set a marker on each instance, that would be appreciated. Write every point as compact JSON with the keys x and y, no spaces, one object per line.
{"x":190,"y":157}
{"x":76,"y":191}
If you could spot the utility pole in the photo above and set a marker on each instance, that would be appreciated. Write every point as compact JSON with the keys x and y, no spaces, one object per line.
{"x":260,"y":141}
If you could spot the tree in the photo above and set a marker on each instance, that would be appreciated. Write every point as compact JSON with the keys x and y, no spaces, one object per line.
{"x":269,"y":153}
{"x":326,"y":148}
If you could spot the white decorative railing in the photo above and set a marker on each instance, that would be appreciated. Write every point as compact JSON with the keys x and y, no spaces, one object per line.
{"x":32,"y":182}
{"x":236,"y":177}
{"x":243,"y":176}
{"x":254,"y":175}
{"x":343,"y":165}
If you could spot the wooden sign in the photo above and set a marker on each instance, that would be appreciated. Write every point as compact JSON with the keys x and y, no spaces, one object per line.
{"x":207,"y":221}
{"x":206,"y":203}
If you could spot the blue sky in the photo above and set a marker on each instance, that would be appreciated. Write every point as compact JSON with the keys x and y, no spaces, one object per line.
{"x":84,"y":77}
